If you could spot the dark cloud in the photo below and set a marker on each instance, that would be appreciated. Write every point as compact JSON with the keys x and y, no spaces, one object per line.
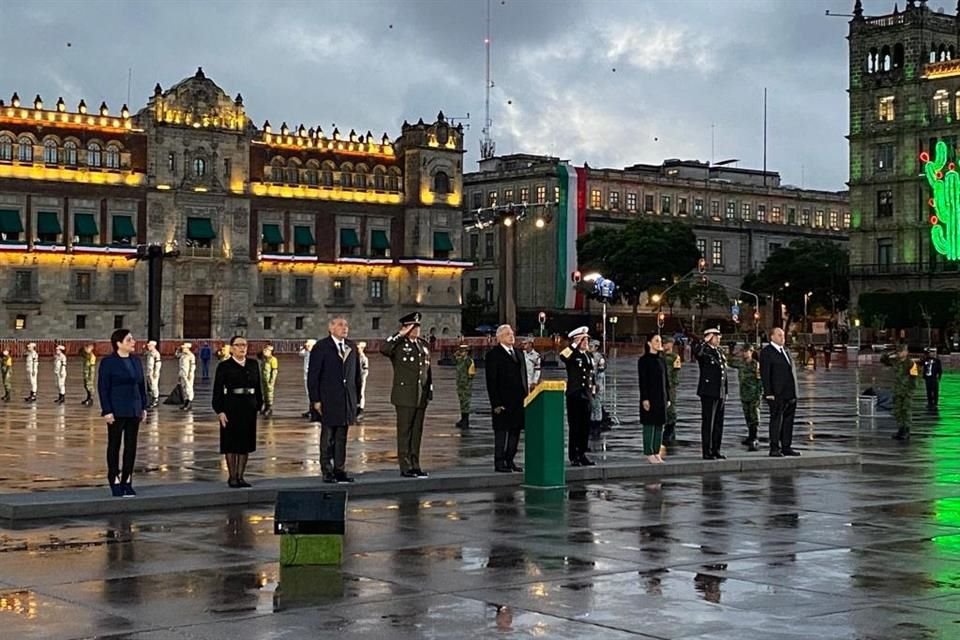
{"x":589,"y":81}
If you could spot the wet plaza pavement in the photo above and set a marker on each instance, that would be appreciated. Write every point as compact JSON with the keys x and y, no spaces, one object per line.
{"x":870,"y":552}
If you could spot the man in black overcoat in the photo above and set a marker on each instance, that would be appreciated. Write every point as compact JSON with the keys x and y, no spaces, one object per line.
{"x":506,"y":373}
{"x":780,"y":389}
{"x":334,"y":380}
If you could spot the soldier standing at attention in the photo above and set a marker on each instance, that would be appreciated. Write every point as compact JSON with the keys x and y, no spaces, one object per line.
{"x":412,"y":390}
{"x":932,"y":372}
{"x":89,"y":372}
{"x":533,"y":362}
{"x":205,"y":354}
{"x":223,"y":353}
{"x":305,"y":354}
{"x":268,"y":377}
{"x":466,"y":370}
{"x":579,"y":394}
{"x":60,"y":372}
{"x":672,"y":360}
{"x":6,"y":372}
{"x":712,"y":389}
{"x":905,"y":374}
{"x":187,"y":371}
{"x":364,"y":371}
{"x":32,"y":359}
{"x":751,"y":392}
{"x":152,"y":373}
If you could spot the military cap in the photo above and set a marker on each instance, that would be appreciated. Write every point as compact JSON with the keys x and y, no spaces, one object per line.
{"x":411,"y":318}
{"x":309,"y":343}
{"x":269,"y":348}
{"x":60,"y":347}
{"x":361,"y":345}
{"x":667,"y":339}
{"x":579,"y":331}
{"x":31,"y":345}
{"x":151,"y":343}
{"x":187,"y":345}
{"x":463,"y":347}
{"x":711,"y":331}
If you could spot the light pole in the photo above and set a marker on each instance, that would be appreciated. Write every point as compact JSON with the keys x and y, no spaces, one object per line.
{"x":806,"y":298}
{"x":542,"y":318}
{"x":604,"y":289}
{"x":613,"y":328}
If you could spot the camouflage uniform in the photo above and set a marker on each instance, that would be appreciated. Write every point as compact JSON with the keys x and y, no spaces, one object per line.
{"x":6,"y":372}
{"x":464,"y":364}
{"x":672,"y":360}
{"x":89,"y":373}
{"x":751,"y":393}
{"x":905,"y":374}
{"x":268,"y":378}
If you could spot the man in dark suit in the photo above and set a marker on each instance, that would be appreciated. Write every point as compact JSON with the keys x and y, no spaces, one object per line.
{"x":506,"y":372}
{"x":780,"y":390}
{"x":334,"y":380}
{"x":712,"y":389}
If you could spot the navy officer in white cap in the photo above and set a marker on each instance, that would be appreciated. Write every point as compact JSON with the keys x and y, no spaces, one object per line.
{"x":580,"y":387}
{"x":712,"y":389}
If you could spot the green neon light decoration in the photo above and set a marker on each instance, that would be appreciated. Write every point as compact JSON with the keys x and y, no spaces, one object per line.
{"x":945,"y":221}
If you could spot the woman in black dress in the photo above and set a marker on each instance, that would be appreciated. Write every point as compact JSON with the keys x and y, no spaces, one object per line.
{"x":237,"y":399}
{"x":652,"y":373}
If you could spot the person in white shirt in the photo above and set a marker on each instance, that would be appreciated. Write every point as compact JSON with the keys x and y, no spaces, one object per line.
{"x":305,"y":354}
{"x":33,"y":368}
{"x":152,"y":373}
{"x":60,"y":372}
{"x":187,"y":372}
{"x":533,"y":361}
{"x":364,"y":371}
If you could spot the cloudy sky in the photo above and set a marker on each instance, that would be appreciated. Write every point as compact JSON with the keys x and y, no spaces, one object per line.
{"x":607,"y":82}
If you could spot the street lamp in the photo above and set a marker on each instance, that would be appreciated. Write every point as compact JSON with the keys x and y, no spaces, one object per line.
{"x":806,"y":298}
{"x":604,"y":289}
{"x":613,"y":328}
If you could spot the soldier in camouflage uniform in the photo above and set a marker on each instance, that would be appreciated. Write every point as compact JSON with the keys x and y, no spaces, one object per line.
{"x":6,"y":372}
{"x":89,"y":372}
{"x":268,"y":378}
{"x":905,"y":375}
{"x":466,"y":370}
{"x":751,"y":392}
{"x":672,"y":361}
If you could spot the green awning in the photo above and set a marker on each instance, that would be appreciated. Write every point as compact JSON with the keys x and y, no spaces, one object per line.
{"x":200,"y":229}
{"x":349,"y":238}
{"x":48,"y":222}
{"x":84,"y":225}
{"x":302,"y":236}
{"x":10,"y":221}
{"x":441,"y":241}
{"x":271,"y":234}
{"x":379,"y":240}
{"x":123,"y":228}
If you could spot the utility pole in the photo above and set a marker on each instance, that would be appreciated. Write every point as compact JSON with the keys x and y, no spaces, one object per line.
{"x":488,"y":148}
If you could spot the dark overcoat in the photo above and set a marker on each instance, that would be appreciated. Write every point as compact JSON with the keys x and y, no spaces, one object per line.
{"x":506,"y":387}
{"x":335,"y":382}
{"x":240,"y":434}
{"x":652,"y":376}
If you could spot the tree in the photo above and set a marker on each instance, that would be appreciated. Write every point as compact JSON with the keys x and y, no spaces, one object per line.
{"x":639,"y":256}
{"x":816,"y":266}
{"x":697,"y":291}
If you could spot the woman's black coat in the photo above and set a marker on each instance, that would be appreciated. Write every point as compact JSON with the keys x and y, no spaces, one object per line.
{"x":652,"y":374}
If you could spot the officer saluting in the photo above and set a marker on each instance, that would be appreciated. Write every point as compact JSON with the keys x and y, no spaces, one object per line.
{"x":412,"y":390}
{"x":712,"y":389}
{"x":579,"y":366}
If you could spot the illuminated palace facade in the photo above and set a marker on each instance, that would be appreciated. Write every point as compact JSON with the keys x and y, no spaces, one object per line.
{"x":276,"y":228}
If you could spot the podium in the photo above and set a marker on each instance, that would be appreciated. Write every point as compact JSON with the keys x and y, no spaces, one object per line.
{"x":543,"y":453}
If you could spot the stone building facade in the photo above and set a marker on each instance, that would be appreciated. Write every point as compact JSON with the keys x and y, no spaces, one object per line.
{"x":275,"y":230}
{"x":739,"y":216}
{"x":904,"y":79}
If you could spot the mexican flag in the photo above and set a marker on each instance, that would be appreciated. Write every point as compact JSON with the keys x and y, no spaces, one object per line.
{"x":571,"y":221}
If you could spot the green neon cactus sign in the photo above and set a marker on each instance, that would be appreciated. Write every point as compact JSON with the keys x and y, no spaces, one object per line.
{"x":945,"y":220}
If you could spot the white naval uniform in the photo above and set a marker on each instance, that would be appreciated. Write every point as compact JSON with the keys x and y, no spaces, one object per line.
{"x":305,"y":354}
{"x":364,"y":372}
{"x":152,"y":374}
{"x":187,"y":371}
{"x":532,"y":360}
{"x":33,"y":369}
{"x":60,"y":372}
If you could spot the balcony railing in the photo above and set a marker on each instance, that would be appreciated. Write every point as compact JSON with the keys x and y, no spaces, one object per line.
{"x":903,"y":268}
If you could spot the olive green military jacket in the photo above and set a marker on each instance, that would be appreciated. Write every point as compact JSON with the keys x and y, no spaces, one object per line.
{"x":412,"y":377}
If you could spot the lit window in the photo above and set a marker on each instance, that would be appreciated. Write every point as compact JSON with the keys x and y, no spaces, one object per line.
{"x":885,"y":112}
{"x":631,"y":202}
{"x":702,"y":247}
{"x":541,"y":194}
{"x":596,"y":200}
{"x":94,"y":155}
{"x":885,"y":203}
{"x":834,"y":219}
{"x":745,"y":211}
{"x":26,"y":149}
{"x":776,"y":215}
{"x":112,"y":157}
{"x":698,"y":207}
{"x":665,"y":205}
{"x":508,"y":196}
{"x":717,"y":254}
{"x":681,"y":206}
{"x":761,"y":213}
{"x":941,"y":103}
{"x":805,"y":218}
{"x":492,"y":199}
{"x":199,"y":167}
{"x":731,"y":209}
{"x":525,"y":194}
{"x":818,"y":219}
{"x":715,"y":209}
{"x":614,"y":199}
{"x":846,"y":219}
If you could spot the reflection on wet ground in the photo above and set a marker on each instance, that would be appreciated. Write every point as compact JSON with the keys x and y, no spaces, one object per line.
{"x":857,"y":553}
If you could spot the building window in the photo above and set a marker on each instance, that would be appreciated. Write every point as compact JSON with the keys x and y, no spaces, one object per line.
{"x":302,"y":293}
{"x":349,"y":243}
{"x":339,"y":290}
{"x":271,"y":238}
{"x":477,"y":200}
{"x":698,"y":207}
{"x":94,"y":155}
{"x":475,"y":286}
{"x":118,"y":322}
{"x":293,"y":173}
{"x":303,"y":241}
{"x":20,"y":323}
{"x":884,"y":157}
{"x":665,"y":202}
{"x":298,"y":323}
{"x":69,"y":153}
{"x":885,"y":203}
{"x":595,"y":199}
{"x":631,"y":202}
{"x":524,"y":195}
{"x":48,"y":227}
{"x":885,"y":111}
{"x":941,"y":104}
{"x":745,"y":212}
{"x":648,"y":203}
{"x":508,"y":196}
{"x":791,"y":215}
{"x":488,"y":290}
{"x":731,"y":209}
{"x":846,"y":219}
{"x":614,"y":199}
{"x":681,"y":205}
{"x":326,"y":177}
{"x":474,"y":246}
{"x":441,"y":183}
{"x":818,"y":220}
{"x":121,"y":288}
{"x":442,"y":245}
{"x":82,"y":285}
{"x":761,"y":213}
{"x":805,"y":217}
{"x":172,"y":163}
{"x":228,"y":170}
{"x":199,"y":167}
{"x":50,"y":152}
{"x":716,"y":256}
{"x":23,"y":285}
{"x":776,"y":215}
{"x":81,"y":321}
{"x":6,"y":148}
{"x":270,"y":290}
{"x":268,"y":323}
{"x":556,"y":194}
{"x":26,"y":149}
{"x":834,"y":219}
{"x":491,"y":198}
{"x":376,"y":289}
{"x":375,"y":323}
{"x":715,"y":209}
{"x":884,"y":254}
{"x":488,"y":246}
{"x":541,"y":194}
{"x":702,"y":247}
{"x":345,"y":180}
{"x":112,"y":157}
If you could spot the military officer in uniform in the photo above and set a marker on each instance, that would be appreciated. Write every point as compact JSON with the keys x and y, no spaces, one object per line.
{"x":187,"y":370}
{"x":932,"y":372}
{"x":60,"y":372}
{"x":364,"y":372}
{"x":751,"y":392}
{"x":6,"y":372}
{"x":466,"y":370}
{"x":672,"y":360}
{"x":905,"y":375}
{"x":268,"y":378}
{"x":532,"y":359}
{"x":152,"y":374}
{"x":32,"y":359}
{"x":712,"y":389}
{"x":89,"y":372}
{"x":412,"y":390}
{"x":579,"y":364}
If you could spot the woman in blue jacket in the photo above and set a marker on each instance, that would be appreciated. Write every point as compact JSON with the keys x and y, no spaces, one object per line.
{"x":123,"y":404}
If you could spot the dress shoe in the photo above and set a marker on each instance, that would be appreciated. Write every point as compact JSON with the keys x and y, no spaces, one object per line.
{"x":409,"y":474}
{"x":421,"y":473}
{"x":708,"y":456}
{"x":329,"y":478}
{"x":754,"y":445}
{"x":116,"y":490}
{"x":515,"y":467}
{"x":587,"y":462}
{"x":502,"y":469}
{"x":127,"y":489}
{"x":233,"y":484}
{"x":793,"y":453}
{"x":719,"y":456}
{"x":776,"y":453}
{"x":342,"y":477}
{"x":243,"y":483}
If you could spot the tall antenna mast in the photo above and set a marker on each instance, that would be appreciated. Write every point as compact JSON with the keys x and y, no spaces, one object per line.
{"x":487,"y":145}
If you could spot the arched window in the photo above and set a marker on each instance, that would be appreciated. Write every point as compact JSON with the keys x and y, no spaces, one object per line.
{"x":393,"y":180}
{"x":950,"y":51}
{"x":379,"y":182}
{"x":441,"y":182}
{"x":345,"y":180}
{"x":941,"y":53}
{"x":6,"y":148}
{"x":360,"y":177}
{"x":276,"y":170}
{"x":886,"y":62}
{"x":112,"y":157}
{"x":199,"y":167}
{"x":94,"y":155}
{"x":897,"y":56}
{"x":933,"y":55}
{"x":70,"y":153}
{"x":311,"y":174}
{"x":293,"y":173}
{"x":26,"y":149}
{"x":871,"y":55}
{"x":50,"y":152}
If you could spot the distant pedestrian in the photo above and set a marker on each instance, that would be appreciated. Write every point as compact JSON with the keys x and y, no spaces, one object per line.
{"x":89,"y":372}
{"x":237,"y":399}
{"x":654,"y":397}
{"x":932,"y":372}
{"x":152,"y":373}
{"x":305,"y":354}
{"x":6,"y":372}
{"x":60,"y":372}
{"x":712,"y":390}
{"x":32,"y":361}
{"x":779,"y":379}
{"x":268,"y":378}
{"x":751,"y":392}
{"x":466,"y":370}
{"x":827,"y":355}
{"x":364,"y":372}
{"x":187,"y":371}
{"x":205,"y":354}
{"x":123,"y":404}
{"x":506,"y":375}
{"x":905,"y":374}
